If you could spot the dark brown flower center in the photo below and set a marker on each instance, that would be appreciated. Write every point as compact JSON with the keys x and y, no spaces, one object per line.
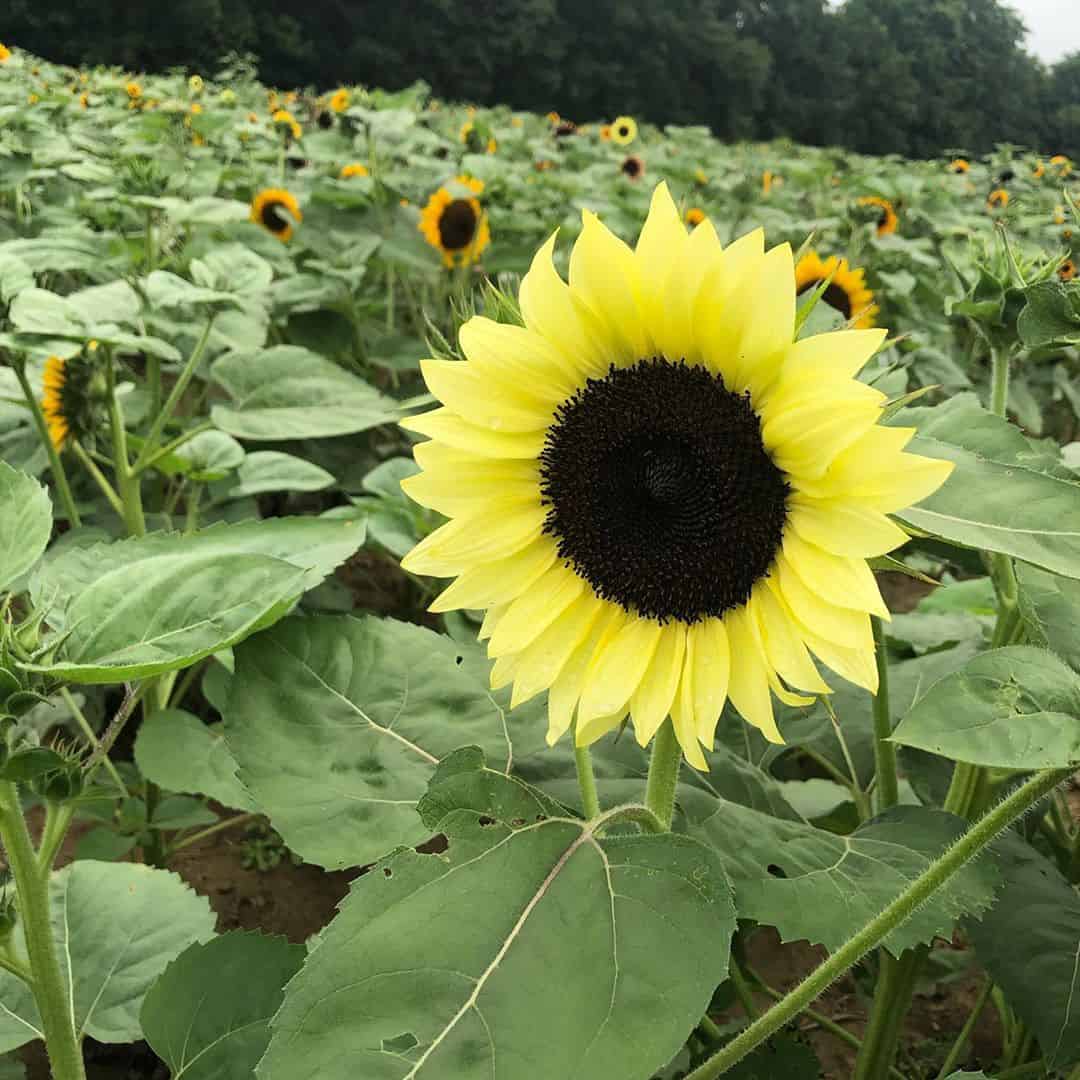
{"x":274,"y":217}
{"x":457,"y":225}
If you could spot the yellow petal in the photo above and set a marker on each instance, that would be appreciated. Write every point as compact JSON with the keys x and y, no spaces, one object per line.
{"x":503,"y":672}
{"x":447,"y":427}
{"x":661,"y":247}
{"x":519,"y":356}
{"x":585,"y":734}
{"x":836,"y":356}
{"x":500,"y":581}
{"x":712,"y":672}
{"x":682,"y":719}
{"x":855,"y":665}
{"x":498,"y":532}
{"x":784,"y":647}
{"x":535,"y":609}
{"x":845,"y":627}
{"x":616,"y":672}
{"x":491,"y":620}
{"x":858,"y":466}
{"x":844,"y":582}
{"x":469,"y":486}
{"x":749,"y":686}
{"x":652,"y":700}
{"x":483,"y":400}
{"x":766,"y":335}
{"x":844,"y":527}
{"x":675,"y":334}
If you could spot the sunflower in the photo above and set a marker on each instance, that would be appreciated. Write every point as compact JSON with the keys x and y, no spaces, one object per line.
{"x":887,"y":220}
{"x":84,"y":101}
{"x":1067,"y":270}
{"x":605,"y":133}
{"x":1059,"y":215}
{"x":695,"y":215}
{"x":565,"y":128}
{"x":633,"y":168}
{"x":5,"y":53}
{"x":1039,"y":171}
{"x":700,"y":178}
{"x":273,"y":208}
{"x":768,"y":179}
{"x":284,"y":118}
{"x":456,"y":225}
{"x":998,"y":199}
{"x":960,"y":165}
{"x":134,"y":90}
{"x":339,"y":100}
{"x":662,"y":501}
{"x":354,"y":169}
{"x":196,"y":108}
{"x":195,"y":84}
{"x":1062,"y":164}
{"x":55,"y":401}
{"x":846,"y":292}
{"x":623,"y":130}
{"x":32,"y":99}
{"x":553,"y":117}
{"x":544,"y":165}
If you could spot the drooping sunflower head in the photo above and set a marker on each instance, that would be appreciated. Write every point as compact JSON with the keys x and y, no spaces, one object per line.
{"x":277,"y":211}
{"x":887,"y":221}
{"x":846,"y":292}
{"x":998,"y":199}
{"x":623,"y":130}
{"x":70,"y":397}
{"x":662,"y":500}
{"x":339,"y":100}
{"x":355,"y":168}
{"x":454,"y":223}
{"x":960,"y":165}
{"x":695,"y":215}
{"x":53,"y":402}
{"x":134,"y":90}
{"x":633,"y":168}
{"x":1067,"y":270}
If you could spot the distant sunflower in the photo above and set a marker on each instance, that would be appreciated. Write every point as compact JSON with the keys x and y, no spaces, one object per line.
{"x":32,"y":99}
{"x":767,"y":181}
{"x":134,"y":90}
{"x":56,"y":401}
{"x":846,"y":293}
{"x":277,"y":211}
{"x":196,"y":108}
{"x":695,"y":215}
{"x":565,"y":128}
{"x":553,"y":118}
{"x":1067,"y":270}
{"x":605,"y":133}
{"x":285,"y":119}
{"x":1062,"y":164}
{"x":633,"y":168}
{"x":196,"y":84}
{"x":663,"y":504}
{"x":253,"y":118}
{"x":339,"y":100}
{"x":456,"y":226}
{"x":5,"y":53}
{"x":960,"y":165}
{"x":887,"y":219}
{"x":84,"y":101}
{"x":1059,"y":215}
{"x":998,"y":199}
{"x":623,"y":130}
{"x":544,"y":165}
{"x":1039,"y":171}
{"x":353,"y":169}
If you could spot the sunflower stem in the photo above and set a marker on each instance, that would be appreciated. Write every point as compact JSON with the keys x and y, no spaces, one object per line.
{"x":958,"y":1047}
{"x":884,"y":750}
{"x":97,"y":476}
{"x":999,"y":380}
{"x":892,"y":999}
{"x":664,"y":774}
{"x":590,"y":800}
{"x":55,"y":464}
{"x":918,"y":892}
{"x":127,"y":481}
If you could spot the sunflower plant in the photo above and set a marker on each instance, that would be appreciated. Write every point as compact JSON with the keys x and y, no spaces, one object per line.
{"x":615,"y":596}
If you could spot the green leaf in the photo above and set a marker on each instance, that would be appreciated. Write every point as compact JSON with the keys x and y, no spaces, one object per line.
{"x":178,"y":609}
{"x":15,"y":276}
{"x":168,"y":290}
{"x":1051,"y":315}
{"x":526,"y":949}
{"x":1011,"y":708}
{"x":210,"y":455}
{"x":1003,"y":495}
{"x":290,"y":393}
{"x":12,"y":1069}
{"x":270,"y":470}
{"x":38,"y":311}
{"x":25,"y":524}
{"x":1028,"y":943}
{"x":317,"y":545}
{"x":116,"y":926}
{"x":930,"y":631}
{"x":832,"y":883}
{"x":116,"y":302}
{"x":208,"y":1015}
{"x":178,"y":752}
{"x":103,"y":844}
{"x":1051,"y":609}
{"x":337,"y":724}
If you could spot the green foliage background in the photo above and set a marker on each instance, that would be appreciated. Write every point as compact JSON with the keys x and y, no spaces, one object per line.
{"x":913,"y":77}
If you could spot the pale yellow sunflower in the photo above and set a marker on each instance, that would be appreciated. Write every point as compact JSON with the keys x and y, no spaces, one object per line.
{"x":663,"y":501}
{"x":846,"y":293}
{"x":623,"y":130}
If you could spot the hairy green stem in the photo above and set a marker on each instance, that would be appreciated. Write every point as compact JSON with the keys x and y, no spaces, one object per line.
{"x":920,"y":890}
{"x":590,"y":801}
{"x":91,"y":738}
{"x":127,"y":481}
{"x":958,"y":1047}
{"x":884,"y":750}
{"x":999,"y":380}
{"x":892,"y":1000}
{"x":97,"y":476}
{"x":56,"y":466}
{"x":743,"y":990}
{"x":664,"y":774}
{"x":49,"y":986}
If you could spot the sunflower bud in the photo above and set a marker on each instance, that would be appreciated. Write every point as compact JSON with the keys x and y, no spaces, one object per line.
{"x":61,"y":784}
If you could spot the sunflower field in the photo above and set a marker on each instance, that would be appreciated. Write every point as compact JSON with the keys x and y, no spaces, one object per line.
{"x":484,"y":595}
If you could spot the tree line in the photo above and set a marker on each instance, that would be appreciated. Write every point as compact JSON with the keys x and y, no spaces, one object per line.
{"x":912,"y":77}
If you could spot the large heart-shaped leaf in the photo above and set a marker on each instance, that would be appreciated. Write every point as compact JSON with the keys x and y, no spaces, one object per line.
{"x":337,"y":724}
{"x":529,"y":946}
{"x":1011,"y":708}
{"x":116,"y":926}
{"x":25,"y":523}
{"x":208,"y":1015}
{"x":291,"y":393}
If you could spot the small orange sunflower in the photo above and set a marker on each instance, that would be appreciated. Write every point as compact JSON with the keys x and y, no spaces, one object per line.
{"x":134,"y":90}
{"x":633,"y":168}
{"x":695,"y":215}
{"x":5,"y":53}
{"x":354,"y":169}
{"x":339,"y":100}
{"x":960,"y":165}
{"x":605,"y":133}
{"x":846,"y":292}
{"x":998,"y":199}
{"x":273,"y":208}
{"x":888,"y":221}
{"x":456,"y":225}
{"x":1039,"y":171}
{"x":1067,"y":270}
{"x":768,"y":180}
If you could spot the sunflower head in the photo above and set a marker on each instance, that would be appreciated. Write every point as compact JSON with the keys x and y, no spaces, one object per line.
{"x":454,"y":223}
{"x":339,"y":100}
{"x":32,"y":99}
{"x":1039,"y":171}
{"x":544,"y":165}
{"x":196,"y":84}
{"x":285,"y":120}
{"x":887,"y":221}
{"x":1059,"y":215}
{"x":633,"y":168}
{"x":1062,"y":164}
{"x":196,"y":108}
{"x":553,"y":118}
{"x":5,"y":53}
{"x":227,"y":96}
{"x":1067,"y":270}
{"x":960,"y":165}
{"x":353,"y":169}
{"x":700,"y":178}
{"x":565,"y":128}
{"x":324,"y":119}
{"x":695,"y":215}
{"x":623,"y":130}
{"x":846,"y":293}
{"x":134,"y":90}
{"x":71,"y":397}
{"x":277,"y":211}
{"x":768,"y":180}
{"x":84,"y":101}
{"x":662,"y":500}
{"x":998,"y":199}
{"x":605,"y":133}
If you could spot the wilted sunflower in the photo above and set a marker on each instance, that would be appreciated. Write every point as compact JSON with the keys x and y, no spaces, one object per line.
{"x":456,"y":225}
{"x":960,"y":165}
{"x":633,"y":168}
{"x":5,"y":53}
{"x":662,"y":500}
{"x":623,"y":130}
{"x":998,"y":199}
{"x":285,"y":119}
{"x":134,"y":90}
{"x":277,"y":211}
{"x":695,"y":215}
{"x":354,"y":169}
{"x":846,"y":292}
{"x":1067,"y":270}
{"x":339,"y":100}
{"x":887,"y":220}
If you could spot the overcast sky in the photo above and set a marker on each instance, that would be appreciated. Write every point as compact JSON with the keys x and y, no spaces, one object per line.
{"x":1053,"y":25}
